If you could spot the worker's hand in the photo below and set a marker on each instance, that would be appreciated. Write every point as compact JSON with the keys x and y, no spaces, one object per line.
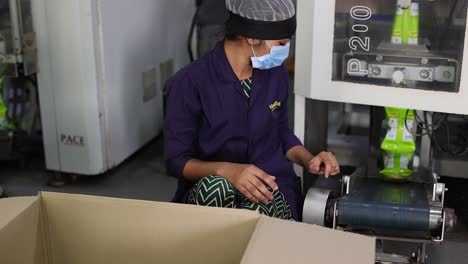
{"x":255,"y":184}
{"x":324,"y":164}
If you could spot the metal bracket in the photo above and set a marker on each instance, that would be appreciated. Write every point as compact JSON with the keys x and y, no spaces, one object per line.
{"x":438,"y":193}
{"x":345,"y":185}
{"x":335,"y":214}
{"x":442,"y":235}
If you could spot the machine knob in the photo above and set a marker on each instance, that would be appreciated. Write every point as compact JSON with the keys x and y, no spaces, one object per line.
{"x":398,"y":76}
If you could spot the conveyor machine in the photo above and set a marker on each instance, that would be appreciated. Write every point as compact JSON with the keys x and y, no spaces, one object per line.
{"x":410,"y":212}
{"x":406,"y":54}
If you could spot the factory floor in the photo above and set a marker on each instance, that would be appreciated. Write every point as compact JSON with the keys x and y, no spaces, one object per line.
{"x":143,"y":177}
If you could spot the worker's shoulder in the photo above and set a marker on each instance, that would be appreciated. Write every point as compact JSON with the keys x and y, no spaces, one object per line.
{"x":280,"y":71}
{"x":279,"y":75}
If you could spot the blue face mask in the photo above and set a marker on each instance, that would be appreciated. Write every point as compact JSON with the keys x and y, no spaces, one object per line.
{"x":275,"y":58}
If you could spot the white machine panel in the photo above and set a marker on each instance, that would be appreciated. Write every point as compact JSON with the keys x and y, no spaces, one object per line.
{"x":350,"y":51}
{"x":102,"y":65}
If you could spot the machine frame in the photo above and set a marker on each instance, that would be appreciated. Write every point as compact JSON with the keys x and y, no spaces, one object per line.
{"x":21,"y":40}
{"x":315,"y":42}
{"x":320,"y":208}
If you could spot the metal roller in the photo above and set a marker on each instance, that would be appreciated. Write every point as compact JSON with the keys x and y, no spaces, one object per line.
{"x":315,"y":206}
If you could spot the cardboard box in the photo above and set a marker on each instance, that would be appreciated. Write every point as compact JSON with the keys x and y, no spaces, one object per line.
{"x":74,"y":229}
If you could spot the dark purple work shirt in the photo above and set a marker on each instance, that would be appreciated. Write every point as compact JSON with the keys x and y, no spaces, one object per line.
{"x":208,"y":117}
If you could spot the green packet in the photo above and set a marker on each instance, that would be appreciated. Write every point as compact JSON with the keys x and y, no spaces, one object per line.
{"x":398,"y":146}
{"x":3,"y":109}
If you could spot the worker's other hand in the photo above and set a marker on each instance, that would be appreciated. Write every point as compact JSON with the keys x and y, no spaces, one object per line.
{"x":324,"y":164}
{"x":255,"y":184}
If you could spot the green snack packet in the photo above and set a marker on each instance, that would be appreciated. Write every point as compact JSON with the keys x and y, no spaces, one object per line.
{"x":3,"y":109}
{"x":398,"y":146}
{"x":406,"y":25}
{"x":397,"y":31}
{"x":413,"y":27}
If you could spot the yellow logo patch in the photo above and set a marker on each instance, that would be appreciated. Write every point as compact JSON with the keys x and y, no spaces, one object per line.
{"x":275,"y":106}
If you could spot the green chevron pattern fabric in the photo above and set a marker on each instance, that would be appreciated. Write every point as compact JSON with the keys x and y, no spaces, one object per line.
{"x":217,"y":192}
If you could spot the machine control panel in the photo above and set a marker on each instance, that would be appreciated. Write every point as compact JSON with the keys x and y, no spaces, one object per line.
{"x":397,"y":43}
{"x":400,"y":53}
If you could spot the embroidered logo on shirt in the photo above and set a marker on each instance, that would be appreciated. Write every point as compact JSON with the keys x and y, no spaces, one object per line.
{"x":275,"y":106}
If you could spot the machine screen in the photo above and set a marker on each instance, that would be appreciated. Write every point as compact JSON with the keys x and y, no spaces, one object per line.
{"x":400,"y":43}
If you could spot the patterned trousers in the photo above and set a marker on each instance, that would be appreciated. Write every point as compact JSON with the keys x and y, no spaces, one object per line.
{"x":217,"y":192}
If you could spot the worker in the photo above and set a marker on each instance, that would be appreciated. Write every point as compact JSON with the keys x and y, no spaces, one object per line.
{"x":226,"y":126}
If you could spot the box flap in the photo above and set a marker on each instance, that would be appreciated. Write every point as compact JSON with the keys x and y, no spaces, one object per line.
{"x":276,"y":241}
{"x":20,"y":231}
{"x":11,"y":208}
{"x":87,"y":229}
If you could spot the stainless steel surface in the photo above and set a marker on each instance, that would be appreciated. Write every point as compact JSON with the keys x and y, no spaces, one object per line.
{"x":348,"y":135}
{"x":425,"y":147}
{"x":335,"y":214}
{"x":315,"y":206}
{"x":384,"y":258}
{"x":27,"y":36}
{"x":442,"y":233}
{"x":435,"y":218}
{"x":439,"y":190}
{"x":402,"y":239}
{"x":346,"y":185}
{"x":451,"y":167}
{"x":451,"y":219}
{"x":2,"y":44}
{"x":15,"y":27}
{"x":403,"y":66}
{"x":17,"y":37}
{"x":438,"y":193}
{"x":412,"y":73}
{"x":422,"y":253}
{"x":435,"y":177}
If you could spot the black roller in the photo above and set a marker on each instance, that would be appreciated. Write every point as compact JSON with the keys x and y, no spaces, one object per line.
{"x":378,"y":204}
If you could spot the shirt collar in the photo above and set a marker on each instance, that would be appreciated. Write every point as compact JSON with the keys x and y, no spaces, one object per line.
{"x":222,"y":65}
{"x":224,"y":70}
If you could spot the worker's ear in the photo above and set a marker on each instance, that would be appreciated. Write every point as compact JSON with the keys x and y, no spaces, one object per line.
{"x":253,"y":42}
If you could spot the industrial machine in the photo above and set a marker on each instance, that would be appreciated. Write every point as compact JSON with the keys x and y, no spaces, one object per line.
{"x":19,"y":113}
{"x":18,"y":53}
{"x":389,"y":211}
{"x":102,"y":66}
{"x":349,"y":54}
{"x":405,"y":54}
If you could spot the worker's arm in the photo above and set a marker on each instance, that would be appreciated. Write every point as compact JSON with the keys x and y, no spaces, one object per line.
{"x":299,"y":155}
{"x":324,"y":163}
{"x":251,"y":181}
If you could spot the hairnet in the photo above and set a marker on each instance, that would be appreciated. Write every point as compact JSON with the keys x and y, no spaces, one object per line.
{"x":261,"y":19}
{"x":262,"y":10}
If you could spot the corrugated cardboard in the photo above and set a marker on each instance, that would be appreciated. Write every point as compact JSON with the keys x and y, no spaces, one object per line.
{"x":305,"y":244}
{"x":74,"y":229}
